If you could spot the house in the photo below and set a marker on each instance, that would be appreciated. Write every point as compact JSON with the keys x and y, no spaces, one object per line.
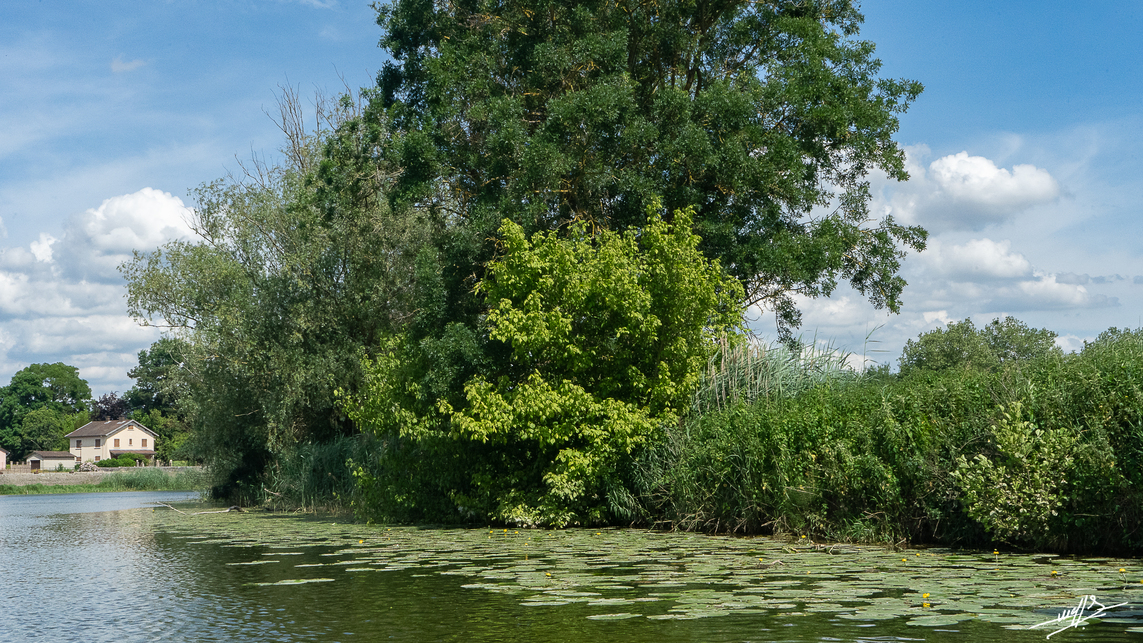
{"x":3,"y":459}
{"x":97,"y":441}
{"x":52,"y":460}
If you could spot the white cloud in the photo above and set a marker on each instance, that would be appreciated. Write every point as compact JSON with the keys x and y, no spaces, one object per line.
{"x":1071,"y":343}
{"x":976,"y":260}
{"x":42,"y":249}
{"x":941,"y":316}
{"x":977,"y":181}
{"x":118,"y":65}
{"x":962,"y":192}
{"x":1045,"y":293}
{"x":100,"y":239}
{"x":63,"y":299}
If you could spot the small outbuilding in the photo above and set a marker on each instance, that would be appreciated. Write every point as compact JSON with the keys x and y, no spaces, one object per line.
{"x":3,"y":459}
{"x":52,"y":460}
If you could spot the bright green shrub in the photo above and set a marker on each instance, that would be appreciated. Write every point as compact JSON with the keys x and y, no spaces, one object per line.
{"x":601,"y":338}
{"x":1016,"y":494}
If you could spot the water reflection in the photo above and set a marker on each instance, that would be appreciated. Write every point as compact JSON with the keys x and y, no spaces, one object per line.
{"x":97,"y":567}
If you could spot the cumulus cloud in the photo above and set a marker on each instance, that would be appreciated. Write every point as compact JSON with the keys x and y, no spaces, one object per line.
{"x":1071,"y":343}
{"x":119,"y":65}
{"x":962,"y":192}
{"x":1073,"y":278}
{"x":982,"y":275}
{"x":42,"y":249}
{"x":975,"y":180}
{"x":62,"y":299}
{"x":976,"y":260}
{"x":1045,"y":292}
{"x":98,"y":240}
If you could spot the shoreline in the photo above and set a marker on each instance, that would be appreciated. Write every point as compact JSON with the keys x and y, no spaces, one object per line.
{"x":123,"y":479}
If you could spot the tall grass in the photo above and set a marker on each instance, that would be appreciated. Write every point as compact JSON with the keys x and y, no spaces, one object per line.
{"x":741,"y":373}
{"x":318,"y":476}
{"x":143,"y":479}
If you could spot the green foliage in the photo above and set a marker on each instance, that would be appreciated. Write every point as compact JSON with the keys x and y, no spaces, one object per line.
{"x":44,"y":429}
{"x":1016,"y":496}
{"x":124,"y":460}
{"x":290,"y":283}
{"x":754,"y":113}
{"x":1047,"y":455}
{"x":319,"y":476}
{"x":155,"y":379}
{"x":849,"y":459}
{"x":136,"y":480}
{"x":57,"y":391}
{"x":960,"y":345}
{"x":172,"y":434}
{"x":605,"y":336}
{"x":742,"y":372}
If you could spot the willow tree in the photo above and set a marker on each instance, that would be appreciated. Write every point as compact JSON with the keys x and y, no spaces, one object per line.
{"x":288,"y":283}
{"x":766,"y":116}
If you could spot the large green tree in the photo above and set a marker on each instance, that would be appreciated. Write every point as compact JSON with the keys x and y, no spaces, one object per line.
{"x":57,"y":389}
{"x":289,"y":283}
{"x":764,"y":116}
{"x":155,"y":377}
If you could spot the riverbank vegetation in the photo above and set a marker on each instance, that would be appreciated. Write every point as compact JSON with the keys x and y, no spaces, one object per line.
{"x":507,"y":285}
{"x":1040,"y":450}
{"x":141,"y":480}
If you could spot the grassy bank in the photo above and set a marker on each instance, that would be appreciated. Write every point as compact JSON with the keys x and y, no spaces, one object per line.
{"x":143,"y":480}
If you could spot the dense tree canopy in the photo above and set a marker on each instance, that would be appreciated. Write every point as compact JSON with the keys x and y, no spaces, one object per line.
{"x":765,"y":116}
{"x":55,"y":389}
{"x":154,"y":377}
{"x":605,"y":336}
{"x":289,"y":284}
{"x":475,"y":231}
{"x":962,"y":345}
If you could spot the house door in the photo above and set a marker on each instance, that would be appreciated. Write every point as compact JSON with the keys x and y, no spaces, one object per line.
{"x":35,"y":464}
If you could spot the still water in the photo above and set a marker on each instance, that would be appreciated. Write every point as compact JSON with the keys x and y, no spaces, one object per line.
{"x":117,"y":567}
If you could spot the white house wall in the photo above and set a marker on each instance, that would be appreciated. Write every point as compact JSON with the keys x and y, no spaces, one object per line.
{"x":130,"y":436}
{"x":53,"y":464}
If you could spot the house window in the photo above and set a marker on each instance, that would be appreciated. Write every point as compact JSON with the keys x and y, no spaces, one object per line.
{"x":78,"y":443}
{"x":96,"y":443}
{"x":144,"y":443}
{"x":130,"y":442}
{"x":116,"y":443}
{"x":97,"y":458}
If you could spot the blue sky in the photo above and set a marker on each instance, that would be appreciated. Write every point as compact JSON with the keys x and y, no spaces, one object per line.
{"x":1024,"y":151}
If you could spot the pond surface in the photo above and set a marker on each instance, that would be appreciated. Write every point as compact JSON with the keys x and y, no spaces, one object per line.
{"x":114,"y":567}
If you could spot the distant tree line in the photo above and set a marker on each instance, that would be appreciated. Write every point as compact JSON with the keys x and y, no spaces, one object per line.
{"x":44,"y":402}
